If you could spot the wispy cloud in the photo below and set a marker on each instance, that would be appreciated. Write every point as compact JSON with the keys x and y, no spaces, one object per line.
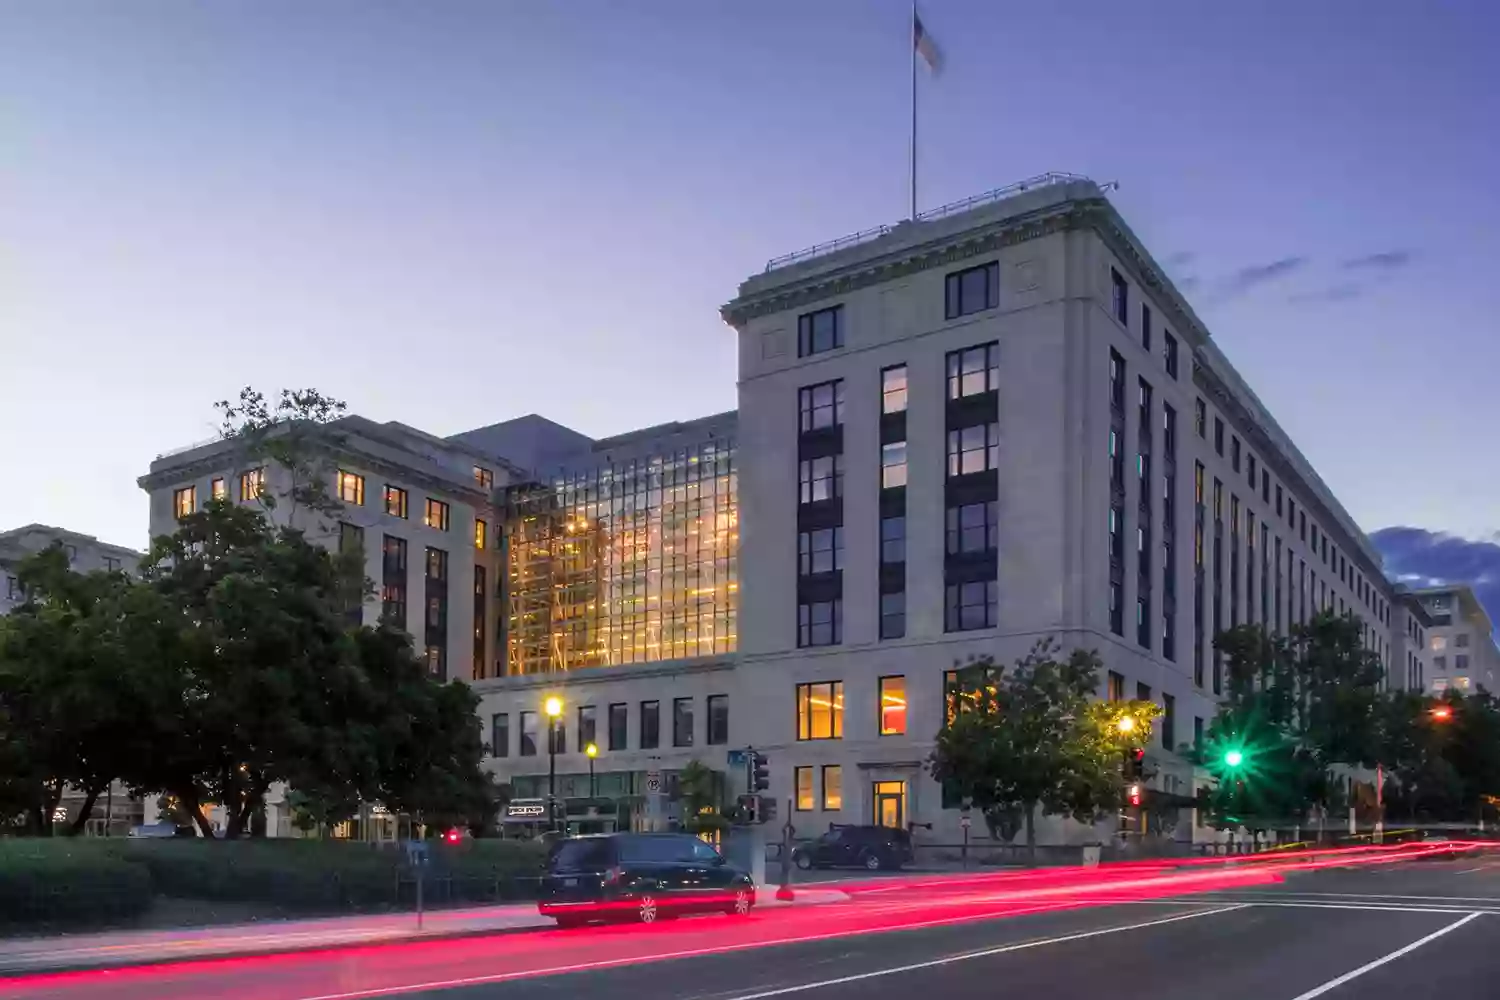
{"x":1247,"y":279}
{"x":1388,"y":260}
{"x":1333,"y":293}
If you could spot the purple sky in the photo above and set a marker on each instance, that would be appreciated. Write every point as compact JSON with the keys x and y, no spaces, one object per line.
{"x":454,"y":213}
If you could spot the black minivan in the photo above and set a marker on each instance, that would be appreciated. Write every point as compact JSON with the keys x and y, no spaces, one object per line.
{"x":639,"y":876}
{"x":868,"y":847}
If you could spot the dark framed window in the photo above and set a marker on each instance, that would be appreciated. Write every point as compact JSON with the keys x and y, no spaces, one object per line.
{"x":892,"y":464}
{"x":528,"y":734}
{"x":820,"y":551}
{"x":972,"y":528}
{"x":893,"y":615}
{"x":971,"y":606}
{"x":893,"y":539}
{"x":682,"y":722}
{"x":437,"y":564}
{"x":395,"y":501}
{"x":820,"y":623}
{"x":820,"y":479}
{"x":1115,"y":687}
{"x":820,"y":710}
{"x":718,"y":720}
{"x":1120,"y":293}
{"x":893,"y":389}
{"x":1234,"y":452}
{"x":973,"y":449}
{"x":1169,"y":352}
{"x":820,"y":331}
{"x":436,"y":515}
{"x":973,"y":290}
{"x":974,"y":370}
{"x":500,"y":734}
{"x":588,"y":723}
{"x":351,"y":537}
{"x":821,"y":405}
{"x":619,"y":726}
{"x":1200,"y":418}
{"x":484,"y":477}
{"x":650,"y":725}
{"x":1168,"y":721}
{"x":1219,"y":436}
{"x":1145,"y":326}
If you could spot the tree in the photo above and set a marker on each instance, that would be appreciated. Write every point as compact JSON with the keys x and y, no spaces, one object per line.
{"x":1032,"y":738}
{"x":698,"y":790}
{"x":297,"y":436}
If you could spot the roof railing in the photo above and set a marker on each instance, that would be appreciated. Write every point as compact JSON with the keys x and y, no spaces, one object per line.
{"x":941,"y":212}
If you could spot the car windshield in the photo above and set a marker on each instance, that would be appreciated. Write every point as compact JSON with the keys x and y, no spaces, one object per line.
{"x":831,"y":837}
{"x":661,"y":849}
{"x":580,"y":855}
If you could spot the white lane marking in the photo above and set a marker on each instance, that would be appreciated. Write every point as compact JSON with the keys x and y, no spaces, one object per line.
{"x":501,"y":977}
{"x":984,"y":953}
{"x":1368,"y":966}
{"x":1491,"y":900}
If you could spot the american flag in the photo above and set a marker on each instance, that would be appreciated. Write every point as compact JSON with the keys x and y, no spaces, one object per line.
{"x":926,"y":47}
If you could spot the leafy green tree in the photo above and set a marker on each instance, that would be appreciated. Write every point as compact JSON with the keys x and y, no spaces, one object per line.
{"x":295,"y":436}
{"x":1032,"y":738}
{"x":699,"y":792}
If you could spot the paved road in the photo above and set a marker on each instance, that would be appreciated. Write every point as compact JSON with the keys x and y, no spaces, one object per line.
{"x":1429,"y":927}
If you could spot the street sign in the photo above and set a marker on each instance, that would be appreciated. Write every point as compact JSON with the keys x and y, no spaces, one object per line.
{"x":735,"y":758}
{"x":963,"y":821}
{"x":653,"y":782}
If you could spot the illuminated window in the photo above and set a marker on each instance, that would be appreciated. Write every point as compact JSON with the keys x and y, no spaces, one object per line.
{"x":802,"y":778}
{"x":820,"y":623}
{"x":252,"y":484}
{"x":820,"y":331}
{"x":973,"y":449}
{"x":972,"y":290}
{"x":820,"y":711}
{"x":821,"y":405}
{"x":820,"y":551}
{"x":436,"y":516}
{"x":481,"y":533}
{"x":833,"y":787}
{"x":893,"y":464}
{"x":395,"y":501}
{"x":892,"y":706}
{"x":971,"y":605}
{"x":184,"y":501}
{"x":1116,"y":688}
{"x":351,"y":488}
{"x":973,"y":371}
{"x":218,"y":490}
{"x":820,"y":479}
{"x":1439,"y":642}
{"x":893,"y":389}
{"x":484,"y":477}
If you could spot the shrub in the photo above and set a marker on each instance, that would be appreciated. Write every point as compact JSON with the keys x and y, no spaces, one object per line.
{"x":54,"y":884}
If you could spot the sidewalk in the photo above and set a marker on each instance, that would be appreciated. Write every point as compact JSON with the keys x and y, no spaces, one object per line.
{"x":97,"y":951}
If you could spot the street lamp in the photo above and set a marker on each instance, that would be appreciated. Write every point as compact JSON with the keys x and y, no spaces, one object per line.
{"x":553,"y":707}
{"x":1126,"y":724}
{"x":593,"y":751}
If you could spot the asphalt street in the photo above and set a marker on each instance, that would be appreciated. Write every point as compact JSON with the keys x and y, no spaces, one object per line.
{"x":1428,"y":927}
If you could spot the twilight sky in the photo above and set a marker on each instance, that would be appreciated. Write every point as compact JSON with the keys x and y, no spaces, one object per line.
{"x":451,"y":213}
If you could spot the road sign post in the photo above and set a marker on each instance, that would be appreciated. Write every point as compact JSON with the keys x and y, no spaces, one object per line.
{"x":784,"y":891}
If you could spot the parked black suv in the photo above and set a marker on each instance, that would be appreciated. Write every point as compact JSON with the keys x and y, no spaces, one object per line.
{"x":639,"y":876}
{"x":868,"y":847}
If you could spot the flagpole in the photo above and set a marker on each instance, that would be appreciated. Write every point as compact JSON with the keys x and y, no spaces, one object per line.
{"x":913,"y":45}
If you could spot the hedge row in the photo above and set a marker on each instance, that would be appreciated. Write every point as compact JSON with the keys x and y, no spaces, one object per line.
{"x":59,"y":885}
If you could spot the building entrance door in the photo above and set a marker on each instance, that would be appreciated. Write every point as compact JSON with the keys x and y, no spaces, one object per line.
{"x":890,"y":804}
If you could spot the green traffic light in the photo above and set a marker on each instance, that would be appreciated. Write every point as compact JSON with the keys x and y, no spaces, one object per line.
{"x":1234,"y":758}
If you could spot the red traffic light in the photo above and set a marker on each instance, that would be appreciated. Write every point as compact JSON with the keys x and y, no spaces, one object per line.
{"x":1137,"y":754}
{"x":1133,"y":795}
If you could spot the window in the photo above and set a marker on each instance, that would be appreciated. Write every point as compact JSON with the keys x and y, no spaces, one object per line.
{"x":802,"y":778}
{"x":892,"y":465}
{"x":820,"y":551}
{"x":971,"y":605}
{"x":1439,"y":642}
{"x":618,"y":723}
{"x":588,"y":726}
{"x":1116,"y":381}
{"x":484,"y":477}
{"x":892,"y":706}
{"x":1440,"y":662}
{"x":481,"y":533}
{"x":1234,"y":452}
{"x":650,"y":725}
{"x":820,"y":711}
{"x":682,"y":722}
{"x":1198,"y":483}
{"x":111,"y":564}
{"x":184,"y":501}
{"x":528,"y":734}
{"x":218,"y":490}
{"x":973,"y":290}
{"x":351,"y":537}
{"x":1278,"y":500}
{"x":1252,"y":468}
{"x":820,"y":623}
{"x":352,"y":488}
{"x":437,"y":564}
{"x":1219,"y":436}
{"x":1461,"y":661}
{"x":436,"y":516}
{"x":1142,"y":691}
{"x":973,"y":371}
{"x":833,"y":788}
{"x":500,"y":734}
{"x":893,"y":389}
{"x":1168,"y":722}
{"x":1200,"y":418}
{"x":252,"y":484}
{"x":820,"y":479}
{"x":1116,"y":688}
{"x":1461,"y":640}
{"x":1121,"y":293}
{"x":718,"y":720}
{"x":893,"y":615}
{"x":973,"y":449}
{"x":395,"y":501}
{"x":1265,"y":486}
{"x":557,"y":731}
{"x":1169,"y":352}
{"x":893,"y":539}
{"x":821,"y":405}
{"x":820,"y":331}
{"x":13,"y":589}
{"x":972,"y":528}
